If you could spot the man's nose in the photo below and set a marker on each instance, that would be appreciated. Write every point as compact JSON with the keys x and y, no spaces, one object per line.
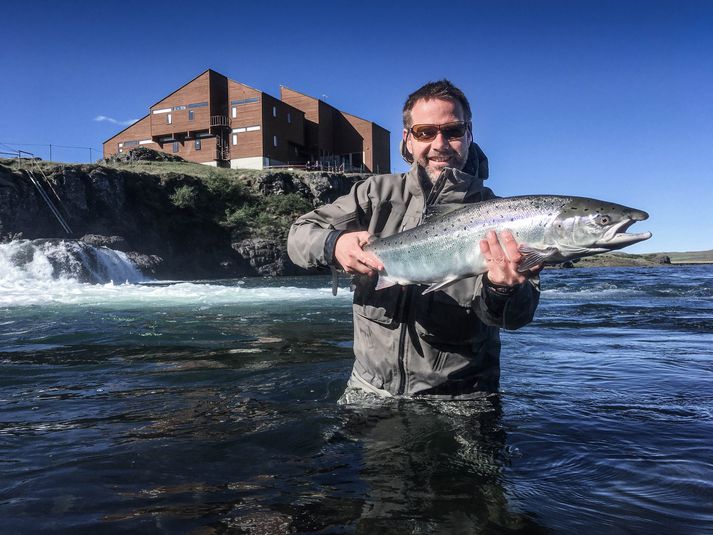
{"x":440,"y":141}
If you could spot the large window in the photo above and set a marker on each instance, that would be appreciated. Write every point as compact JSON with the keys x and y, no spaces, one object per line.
{"x":176,"y":145}
{"x":191,"y":115}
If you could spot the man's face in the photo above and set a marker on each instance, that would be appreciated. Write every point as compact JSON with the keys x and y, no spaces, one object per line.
{"x":440,"y":152}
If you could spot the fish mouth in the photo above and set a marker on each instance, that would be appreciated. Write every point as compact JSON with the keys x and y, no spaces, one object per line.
{"x":617,"y":237}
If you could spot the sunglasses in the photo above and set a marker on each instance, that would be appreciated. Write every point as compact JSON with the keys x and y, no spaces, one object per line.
{"x":428,"y":132}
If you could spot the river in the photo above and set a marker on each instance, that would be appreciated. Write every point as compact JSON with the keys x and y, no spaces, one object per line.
{"x":211,"y":407}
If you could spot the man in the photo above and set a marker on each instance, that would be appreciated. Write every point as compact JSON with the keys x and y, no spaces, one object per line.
{"x":444,"y":344}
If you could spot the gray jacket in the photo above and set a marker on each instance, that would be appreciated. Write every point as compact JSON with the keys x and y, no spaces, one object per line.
{"x":442,"y":344}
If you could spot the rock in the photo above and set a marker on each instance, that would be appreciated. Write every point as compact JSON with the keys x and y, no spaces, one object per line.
{"x":112,"y":242}
{"x":144,"y":154}
{"x":325,"y":187}
{"x":662,"y":259}
{"x":266,"y":258}
{"x":149,"y":265}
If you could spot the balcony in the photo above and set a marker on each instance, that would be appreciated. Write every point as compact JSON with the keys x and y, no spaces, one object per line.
{"x":219,"y":121}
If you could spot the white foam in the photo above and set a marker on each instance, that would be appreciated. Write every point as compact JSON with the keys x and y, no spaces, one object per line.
{"x":110,"y":295}
{"x":42,"y":261}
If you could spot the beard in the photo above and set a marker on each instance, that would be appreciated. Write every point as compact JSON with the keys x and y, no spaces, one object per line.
{"x":455,"y":160}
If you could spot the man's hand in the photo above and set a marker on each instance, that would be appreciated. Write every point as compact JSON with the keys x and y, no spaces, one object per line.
{"x":503,"y":260}
{"x":350,"y":255}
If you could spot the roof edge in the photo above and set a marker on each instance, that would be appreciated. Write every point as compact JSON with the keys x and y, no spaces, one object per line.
{"x":125,"y":129}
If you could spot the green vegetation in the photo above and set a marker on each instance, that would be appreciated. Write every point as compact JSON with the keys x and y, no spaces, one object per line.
{"x":268,"y":217}
{"x":184,"y":197}
{"x":226,"y":196}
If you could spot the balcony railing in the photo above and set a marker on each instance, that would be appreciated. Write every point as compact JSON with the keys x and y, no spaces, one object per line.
{"x":220,"y":120}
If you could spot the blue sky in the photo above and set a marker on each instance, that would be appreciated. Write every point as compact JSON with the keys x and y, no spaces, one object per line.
{"x":605,"y":99}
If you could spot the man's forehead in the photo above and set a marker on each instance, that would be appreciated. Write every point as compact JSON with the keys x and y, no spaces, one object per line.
{"x":429,"y":105}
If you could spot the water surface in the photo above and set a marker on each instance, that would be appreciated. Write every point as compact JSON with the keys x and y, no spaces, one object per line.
{"x":210,"y":407}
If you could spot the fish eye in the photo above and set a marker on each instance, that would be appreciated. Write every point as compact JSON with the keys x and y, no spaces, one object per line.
{"x":603,"y":219}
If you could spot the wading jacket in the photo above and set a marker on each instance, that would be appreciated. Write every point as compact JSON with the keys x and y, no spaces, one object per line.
{"x":444,"y":344}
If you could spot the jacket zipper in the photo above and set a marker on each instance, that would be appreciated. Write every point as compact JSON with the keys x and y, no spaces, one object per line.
{"x":404,"y":312}
{"x":406,"y":294}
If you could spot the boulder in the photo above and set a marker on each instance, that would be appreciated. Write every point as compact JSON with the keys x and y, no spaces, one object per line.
{"x":267,"y":258}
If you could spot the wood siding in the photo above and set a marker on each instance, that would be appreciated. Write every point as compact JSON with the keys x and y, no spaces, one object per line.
{"x":247,"y":114}
{"x":306,"y":128}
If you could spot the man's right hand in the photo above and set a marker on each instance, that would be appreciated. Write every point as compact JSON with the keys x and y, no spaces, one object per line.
{"x":349,"y":252}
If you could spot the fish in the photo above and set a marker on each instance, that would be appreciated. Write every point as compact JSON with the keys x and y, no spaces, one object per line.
{"x":549,"y":229}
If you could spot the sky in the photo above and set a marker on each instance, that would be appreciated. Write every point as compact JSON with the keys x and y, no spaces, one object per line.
{"x":604,"y":99}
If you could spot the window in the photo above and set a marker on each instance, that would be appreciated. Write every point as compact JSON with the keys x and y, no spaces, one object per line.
{"x":274,"y":141}
{"x":234,"y":112}
{"x":198,"y":144}
{"x":169,"y":118}
{"x":191,"y":116}
{"x":175,"y":146}
{"x":274,"y":111}
{"x":198,"y":105}
{"x":244,"y":101}
{"x":179,"y":108}
{"x":235,"y":139}
{"x":289,"y":117}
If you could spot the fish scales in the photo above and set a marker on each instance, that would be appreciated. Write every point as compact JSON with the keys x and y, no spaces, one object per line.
{"x":446,"y":248}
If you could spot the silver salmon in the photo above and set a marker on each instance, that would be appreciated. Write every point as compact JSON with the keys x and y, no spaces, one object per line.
{"x":549,"y":229}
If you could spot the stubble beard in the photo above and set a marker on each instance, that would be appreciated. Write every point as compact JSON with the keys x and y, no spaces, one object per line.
{"x":456,"y":162}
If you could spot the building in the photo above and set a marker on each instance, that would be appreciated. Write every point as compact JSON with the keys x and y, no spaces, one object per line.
{"x":217,"y":121}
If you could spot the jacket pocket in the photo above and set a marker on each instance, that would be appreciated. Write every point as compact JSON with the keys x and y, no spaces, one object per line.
{"x":444,"y":323}
{"x":376,"y":305}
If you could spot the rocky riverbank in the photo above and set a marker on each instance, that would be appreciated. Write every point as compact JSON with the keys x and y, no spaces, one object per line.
{"x":181,"y":220}
{"x":174,"y":219}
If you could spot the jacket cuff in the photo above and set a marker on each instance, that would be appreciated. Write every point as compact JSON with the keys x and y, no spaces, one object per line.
{"x":496,"y":296}
{"x":329,"y":245}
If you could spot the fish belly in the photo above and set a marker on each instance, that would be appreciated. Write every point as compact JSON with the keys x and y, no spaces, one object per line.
{"x":432,"y":261}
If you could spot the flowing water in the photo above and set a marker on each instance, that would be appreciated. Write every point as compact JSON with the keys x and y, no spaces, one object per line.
{"x":211,"y":407}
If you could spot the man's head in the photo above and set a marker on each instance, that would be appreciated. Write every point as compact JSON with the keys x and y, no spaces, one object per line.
{"x":437,"y":127}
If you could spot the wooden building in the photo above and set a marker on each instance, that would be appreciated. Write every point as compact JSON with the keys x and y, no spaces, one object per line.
{"x":214,"y":120}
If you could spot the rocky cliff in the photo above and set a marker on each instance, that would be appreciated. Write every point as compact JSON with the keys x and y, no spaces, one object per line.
{"x":174,"y":219}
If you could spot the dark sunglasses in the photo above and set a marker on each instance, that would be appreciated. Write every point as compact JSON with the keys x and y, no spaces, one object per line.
{"x":428,"y":132}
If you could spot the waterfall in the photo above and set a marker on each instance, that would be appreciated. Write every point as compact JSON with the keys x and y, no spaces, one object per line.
{"x":48,"y":260}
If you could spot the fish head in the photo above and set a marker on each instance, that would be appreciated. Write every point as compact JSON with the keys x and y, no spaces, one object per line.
{"x":586,"y":227}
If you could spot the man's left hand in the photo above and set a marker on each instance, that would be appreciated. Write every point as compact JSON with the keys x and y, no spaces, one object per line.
{"x":503,"y":258}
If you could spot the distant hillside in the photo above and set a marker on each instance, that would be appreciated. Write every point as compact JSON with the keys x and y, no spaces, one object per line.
{"x":645,"y":260}
{"x":692,"y":257}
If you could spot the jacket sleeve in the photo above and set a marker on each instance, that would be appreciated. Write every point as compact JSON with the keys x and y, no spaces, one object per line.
{"x":507,"y":311}
{"x":312,"y":237}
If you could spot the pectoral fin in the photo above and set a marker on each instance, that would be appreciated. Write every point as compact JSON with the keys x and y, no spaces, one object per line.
{"x":384,"y":282}
{"x":440,"y":285}
{"x":532,"y":257}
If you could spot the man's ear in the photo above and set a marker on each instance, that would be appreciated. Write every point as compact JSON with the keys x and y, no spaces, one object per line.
{"x":405,"y":152}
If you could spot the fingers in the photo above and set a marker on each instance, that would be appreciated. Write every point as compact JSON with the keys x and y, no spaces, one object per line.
{"x":502,"y":258}
{"x":348,"y":251}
